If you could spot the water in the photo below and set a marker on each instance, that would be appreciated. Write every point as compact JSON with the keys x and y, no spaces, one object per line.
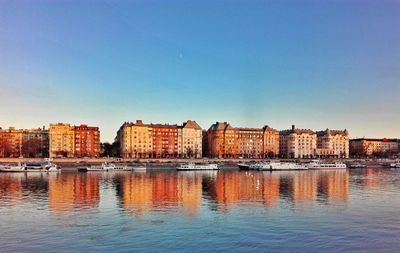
{"x":226,"y":211}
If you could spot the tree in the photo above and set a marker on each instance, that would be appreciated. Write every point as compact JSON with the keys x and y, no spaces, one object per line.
{"x":6,"y":149}
{"x":32,"y":148}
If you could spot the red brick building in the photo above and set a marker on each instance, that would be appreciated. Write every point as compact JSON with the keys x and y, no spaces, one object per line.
{"x":86,"y":141}
{"x":165,"y":140}
{"x":225,"y":141}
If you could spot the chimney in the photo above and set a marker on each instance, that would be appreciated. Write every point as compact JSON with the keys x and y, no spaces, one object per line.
{"x":293,"y":127}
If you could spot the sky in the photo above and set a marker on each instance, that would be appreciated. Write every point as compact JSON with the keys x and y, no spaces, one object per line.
{"x":316,"y":64}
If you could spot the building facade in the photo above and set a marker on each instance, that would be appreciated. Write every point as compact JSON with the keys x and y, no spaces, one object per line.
{"x":364,"y":147}
{"x":190,"y":140}
{"x":138,"y":140}
{"x":73,"y":141}
{"x":225,"y":141}
{"x":86,"y":141}
{"x":333,"y":144}
{"x":297,"y":143}
{"x":24,"y":142}
{"x":61,"y":140}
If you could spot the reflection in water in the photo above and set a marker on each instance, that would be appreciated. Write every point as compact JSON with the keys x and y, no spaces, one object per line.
{"x":139,"y":193}
{"x":128,"y":211}
{"x":73,"y":190}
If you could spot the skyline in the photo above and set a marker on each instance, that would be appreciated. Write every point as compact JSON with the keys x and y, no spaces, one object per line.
{"x":252,"y":63}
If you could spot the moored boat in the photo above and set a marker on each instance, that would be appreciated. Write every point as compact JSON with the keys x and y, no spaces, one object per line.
{"x":395,"y":165}
{"x":282,"y":166}
{"x":192,"y":166}
{"x":319,"y":165}
{"x":243,"y":166}
{"x":46,"y":166}
{"x":111,"y":167}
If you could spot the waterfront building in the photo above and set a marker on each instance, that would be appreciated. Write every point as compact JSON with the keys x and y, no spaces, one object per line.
{"x":332,"y":144}
{"x":297,"y":143}
{"x":35,"y":142}
{"x":74,"y":141}
{"x":165,"y":140}
{"x":24,"y":142}
{"x":11,"y":142}
{"x":138,"y":140}
{"x":225,"y":141}
{"x":363,"y":147}
{"x":135,"y":140}
{"x":190,"y":140}
{"x":61,"y":140}
{"x":86,"y":141}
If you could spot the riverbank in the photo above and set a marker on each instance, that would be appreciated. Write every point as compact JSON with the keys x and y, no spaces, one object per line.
{"x":172,"y":162}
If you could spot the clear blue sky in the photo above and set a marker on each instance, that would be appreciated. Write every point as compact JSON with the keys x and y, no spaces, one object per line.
{"x":316,"y":64}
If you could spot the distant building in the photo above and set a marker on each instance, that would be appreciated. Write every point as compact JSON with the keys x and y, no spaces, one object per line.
{"x":190,"y":141}
{"x":165,"y":140}
{"x":74,"y":141}
{"x":297,"y":143}
{"x":35,"y":142}
{"x":332,"y":144}
{"x":24,"y":142}
{"x":138,"y":140}
{"x":61,"y":140}
{"x":225,"y":141}
{"x":86,"y":141}
{"x":363,"y":147}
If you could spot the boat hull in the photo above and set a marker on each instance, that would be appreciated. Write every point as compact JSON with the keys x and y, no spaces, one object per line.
{"x":244,"y":167}
{"x":327,"y":168}
{"x":195,"y":169}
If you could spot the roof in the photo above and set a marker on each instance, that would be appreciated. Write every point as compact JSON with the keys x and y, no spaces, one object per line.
{"x":332,"y":132}
{"x":191,"y":124}
{"x":220,"y":126}
{"x":376,"y":139}
{"x":296,"y":131}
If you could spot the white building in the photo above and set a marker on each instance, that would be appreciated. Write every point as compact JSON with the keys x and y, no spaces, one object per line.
{"x":333,"y":143}
{"x":297,"y":143}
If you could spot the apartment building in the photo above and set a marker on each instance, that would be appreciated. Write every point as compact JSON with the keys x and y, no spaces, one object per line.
{"x":297,"y":143}
{"x":363,"y":147}
{"x":333,"y":143}
{"x":225,"y":141}
{"x":139,"y":140}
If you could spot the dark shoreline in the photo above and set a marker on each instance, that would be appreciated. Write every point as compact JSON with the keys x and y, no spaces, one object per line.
{"x":75,"y":162}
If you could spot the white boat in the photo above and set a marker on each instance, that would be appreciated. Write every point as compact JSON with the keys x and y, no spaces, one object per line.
{"x":254,"y":166}
{"x":192,"y":166}
{"x":282,"y":166}
{"x":111,"y":167}
{"x":102,"y":167}
{"x":139,"y":168}
{"x":46,"y":166}
{"x":395,"y":165}
{"x":319,"y":165}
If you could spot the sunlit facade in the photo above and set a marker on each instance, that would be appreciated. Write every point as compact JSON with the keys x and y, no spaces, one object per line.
{"x":225,"y":141}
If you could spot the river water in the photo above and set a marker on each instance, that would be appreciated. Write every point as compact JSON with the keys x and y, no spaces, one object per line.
{"x":227,"y":211}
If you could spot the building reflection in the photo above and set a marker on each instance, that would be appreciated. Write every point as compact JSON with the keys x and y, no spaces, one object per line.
{"x":142,"y":192}
{"x":190,"y":192}
{"x":139,"y":193}
{"x":371,"y":179}
{"x":333,"y":186}
{"x":68,"y":191}
{"x":10,"y":187}
{"x":304,"y":186}
{"x":23,"y":186}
